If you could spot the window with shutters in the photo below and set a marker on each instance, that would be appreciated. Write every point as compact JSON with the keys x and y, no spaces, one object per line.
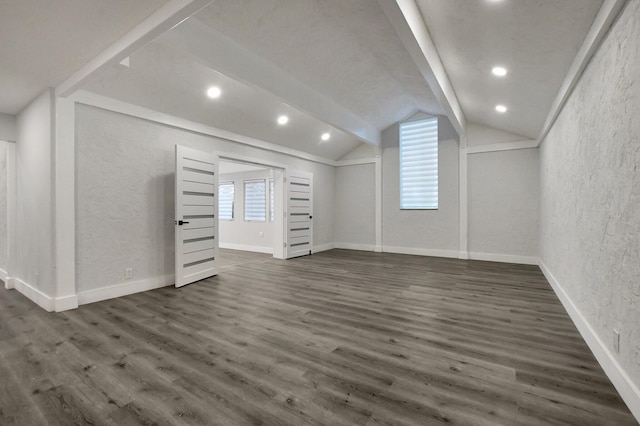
{"x":419,"y":164}
{"x":255,"y":200}
{"x":225,"y":201}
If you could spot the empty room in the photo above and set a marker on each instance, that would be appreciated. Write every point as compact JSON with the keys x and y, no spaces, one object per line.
{"x":323,"y":212}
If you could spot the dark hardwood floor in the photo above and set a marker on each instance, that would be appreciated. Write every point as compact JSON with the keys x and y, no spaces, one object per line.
{"x":337,"y":338}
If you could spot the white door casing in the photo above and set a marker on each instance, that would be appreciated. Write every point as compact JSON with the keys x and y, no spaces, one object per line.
{"x":196,"y":215}
{"x":299,"y":214}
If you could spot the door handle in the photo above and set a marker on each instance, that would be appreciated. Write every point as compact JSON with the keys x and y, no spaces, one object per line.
{"x":181,"y":222}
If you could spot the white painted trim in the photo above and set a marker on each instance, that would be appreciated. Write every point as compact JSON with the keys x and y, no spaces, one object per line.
{"x":4,"y":275}
{"x":505,"y":146}
{"x":243,"y":247}
{"x":351,"y":246}
{"x":628,"y":390}
{"x":504,"y":258}
{"x":36,"y":296}
{"x":463,"y":200}
{"x":10,"y":283}
{"x":601,"y":24}
{"x":109,"y":104}
{"x":124,"y":289}
{"x":378,"y":201}
{"x":159,"y":22}
{"x":323,"y":247}
{"x":406,"y":19}
{"x":421,"y":251}
{"x":65,"y":303}
{"x":355,"y":162}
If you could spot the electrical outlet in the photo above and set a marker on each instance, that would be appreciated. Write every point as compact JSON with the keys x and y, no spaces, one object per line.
{"x":128,"y":273}
{"x":616,"y":341}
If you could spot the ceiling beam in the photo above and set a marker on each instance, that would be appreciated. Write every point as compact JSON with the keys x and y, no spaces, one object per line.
{"x":406,"y":19}
{"x":159,"y":22}
{"x":601,"y":24}
{"x":222,"y":54}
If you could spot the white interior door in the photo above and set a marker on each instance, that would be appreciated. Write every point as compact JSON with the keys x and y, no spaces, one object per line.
{"x":299,"y":214}
{"x":196,"y":220}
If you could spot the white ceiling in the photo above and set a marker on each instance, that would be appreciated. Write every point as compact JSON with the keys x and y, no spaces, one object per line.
{"x":43,"y":42}
{"x":536,"y":40}
{"x":329,"y":64}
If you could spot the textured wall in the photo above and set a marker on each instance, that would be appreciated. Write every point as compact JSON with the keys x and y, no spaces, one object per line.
{"x":34,"y":226}
{"x":124,"y":184}
{"x":355,"y":204}
{"x":590,"y":192}
{"x":3,"y":206}
{"x":239,"y":231}
{"x":420,"y":229}
{"x":503,"y":202}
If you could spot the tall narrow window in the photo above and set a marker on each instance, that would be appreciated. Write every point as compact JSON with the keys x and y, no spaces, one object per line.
{"x":255,"y":200}
{"x":272,"y":208}
{"x":225,"y":201}
{"x":419,"y":164}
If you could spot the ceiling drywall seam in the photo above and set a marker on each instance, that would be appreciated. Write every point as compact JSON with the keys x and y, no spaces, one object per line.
{"x":406,"y":19}
{"x":233,"y":60}
{"x":161,"y":21}
{"x":601,"y":24}
{"x":103,"y":102}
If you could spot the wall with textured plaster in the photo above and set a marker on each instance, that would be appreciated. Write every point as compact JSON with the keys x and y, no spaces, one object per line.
{"x":240,"y":232}
{"x":355,"y":205}
{"x":125,"y":194}
{"x":590,"y":192}
{"x":34,"y":224}
{"x":420,"y":229}
{"x":503,"y":202}
{"x":3,"y":207}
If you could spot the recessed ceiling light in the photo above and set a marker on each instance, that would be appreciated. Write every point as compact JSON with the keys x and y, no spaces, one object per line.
{"x":214,"y":92}
{"x":325,"y":136}
{"x":499,"y":71}
{"x":501,"y":108}
{"x":283,"y":119}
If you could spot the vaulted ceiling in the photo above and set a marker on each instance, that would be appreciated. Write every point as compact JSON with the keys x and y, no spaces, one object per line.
{"x":350,"y":68}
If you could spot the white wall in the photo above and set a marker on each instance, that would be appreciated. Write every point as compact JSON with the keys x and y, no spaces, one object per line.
{"x":590,"y":201}
{"x":33,"y":263}
{"x":238,"y":233}
{"x":8,"y":130}
{"x":4,"y":236}
{"x":430,"y":232}
{"x":355,"y":207}
{"x":125,"y":195}
{"x":503,"y":205}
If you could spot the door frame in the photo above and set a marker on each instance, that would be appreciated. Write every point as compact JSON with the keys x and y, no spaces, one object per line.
{"x":280,"y":171}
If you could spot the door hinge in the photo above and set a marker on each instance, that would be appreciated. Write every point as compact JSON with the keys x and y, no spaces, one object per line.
{"x":284,"y":244}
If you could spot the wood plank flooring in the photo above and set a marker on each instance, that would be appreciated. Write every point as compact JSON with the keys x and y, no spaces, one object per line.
{"x":337,"y":338}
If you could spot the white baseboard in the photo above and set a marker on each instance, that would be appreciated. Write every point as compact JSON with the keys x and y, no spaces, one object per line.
{"x":626,"y":388}
{"x":10,"y":283}
{"x":36,"y":296}
{"x":421,"y":252}
{"x":504,"y":258}
{"x":351,"y":246}
{"x":65,"y":303}
{"x":3,"y":275}
{"x":323,"y":247}
{"x":257,"y":249}
{"x":124,"y":289}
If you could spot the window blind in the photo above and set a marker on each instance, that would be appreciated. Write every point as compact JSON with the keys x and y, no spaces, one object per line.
{"x":255,"y":200}
{"x":419,"y":164}
{"x":225,"y":201}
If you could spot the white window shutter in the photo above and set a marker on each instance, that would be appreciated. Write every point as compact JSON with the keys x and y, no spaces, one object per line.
{"x":255,"y":200}
{"x":225,"y":201}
